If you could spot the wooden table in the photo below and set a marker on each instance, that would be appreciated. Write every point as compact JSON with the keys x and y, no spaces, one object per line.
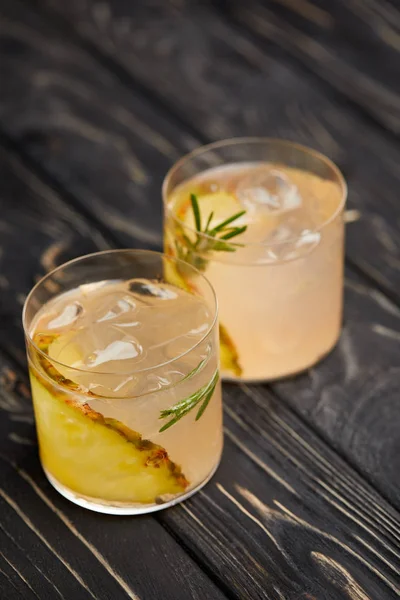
{"x":97,"y":100}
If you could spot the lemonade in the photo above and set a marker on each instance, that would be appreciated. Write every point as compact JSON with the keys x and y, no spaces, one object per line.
{"x":125,"y":382}
{"x":268,"y":234}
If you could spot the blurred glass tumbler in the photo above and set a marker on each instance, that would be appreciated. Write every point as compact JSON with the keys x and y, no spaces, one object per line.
{"x":123,"y":361}
{"x":263,"y":220}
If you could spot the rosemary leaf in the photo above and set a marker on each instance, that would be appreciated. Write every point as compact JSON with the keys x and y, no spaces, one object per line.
{"x":196,"y":211}
{"x":210,"y":216}
{"x":222,"y":225}
{"x":205,"y":404}
{"x":182,"y":408}
{"x":196,"y":252}
{"x":223,"y":247}
{"x":234,"y":233}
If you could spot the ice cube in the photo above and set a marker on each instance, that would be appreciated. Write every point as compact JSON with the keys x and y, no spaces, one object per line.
{"x":69,"y":315}
{"x":289,"y":241}
{"x":117,"y":350}
{"x":268,"y":190}
{"x":115,"y":307}
{"x":146,"y":290}
{"x":99,"y":351}
{"x":293,"y":234}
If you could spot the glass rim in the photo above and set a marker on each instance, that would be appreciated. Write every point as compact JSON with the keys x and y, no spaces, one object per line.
{"x":236,"y":141}
{"x":132,"y":251}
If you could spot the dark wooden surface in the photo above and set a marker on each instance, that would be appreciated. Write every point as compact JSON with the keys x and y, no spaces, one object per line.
{"x":97,"y":100}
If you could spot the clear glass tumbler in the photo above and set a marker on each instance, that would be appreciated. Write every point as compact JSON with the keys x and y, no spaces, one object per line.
{"x":263,"y":220}
{"x":123,"y":361}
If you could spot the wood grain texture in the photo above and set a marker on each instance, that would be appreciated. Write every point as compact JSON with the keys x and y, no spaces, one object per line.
{"x":9,"y":588}
{"x":296,"y":515}
{"x":353,"y":46}
{"x":224,"y":84}
{"x":219,"y":80}
{"x":284,"y":517}
{"x":19,"y":568}
{"x":86,"y":567}
{"x":351,"y":550}
{"x":17,"y":432}
{"x":91,"y":555}
{"x":38,"y":232}
{"x":352,"y":396}
{"x":74,"y":118}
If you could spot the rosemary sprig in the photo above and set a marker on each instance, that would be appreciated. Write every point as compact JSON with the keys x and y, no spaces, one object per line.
{"x":193,"y":251}
{"x":182,"y":408}
{"x":199,"y":367}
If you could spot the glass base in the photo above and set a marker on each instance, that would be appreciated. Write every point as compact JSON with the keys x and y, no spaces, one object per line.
{"x":229,"y":378}
{"x":123,"y":508}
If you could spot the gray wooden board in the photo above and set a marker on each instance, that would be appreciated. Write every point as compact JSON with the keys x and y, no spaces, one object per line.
{"x":91,"y":555}
{"x":216,"y":83}
{"x":27,"y":497}
{"x":338,"y":535}
{"x":44,"y":222}
{"x":78,"y":123}
{"x":294,"y":471}
{"x":280,"y":512}
{"x":352,"y":397}
{"x":38,"y":231}
{"x":352,"y":46}
{"x":216,"y":95}
{"x":24,"y":574}
{"x":285,"y":517}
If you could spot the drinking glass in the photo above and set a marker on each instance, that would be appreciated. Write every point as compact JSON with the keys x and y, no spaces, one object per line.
{"x":263,"y":220}
{"x":123,"y":362}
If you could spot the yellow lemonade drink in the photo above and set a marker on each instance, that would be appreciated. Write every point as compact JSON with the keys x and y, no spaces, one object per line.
{"x":263,"y":220}
{"x":125,"y":381}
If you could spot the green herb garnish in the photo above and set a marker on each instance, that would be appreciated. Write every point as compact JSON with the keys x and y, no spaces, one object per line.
{"x":193,"y":251}
{"x":182,"y":408}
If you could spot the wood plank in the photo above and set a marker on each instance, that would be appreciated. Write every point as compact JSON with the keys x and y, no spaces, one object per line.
{"x":76,"y":560}
{"x":8,"y":588}
{"x":350,"y":532}
{"x":265,"y":463}
{"x":352,"y":396}
{"x":353,"y":46}
{"x":249,"y":562}
{"x":219,"y":83}
{"x":38,"y":231}
{"x":297,"y":522}
{"x":239,"y":81}
{"x":283,"y":517}
{"x":16,"y":565}
{"x":17,"y":431}
{"x":83,"y":128}
{"x":270,"y":452}
{"x":17,"y":525}
{"x":371,"y":241}
{"x":95,"y":555}
{"x":271,"y":469}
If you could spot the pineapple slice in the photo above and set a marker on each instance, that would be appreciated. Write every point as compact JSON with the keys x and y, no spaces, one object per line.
{"x":173,"y":274}
{"x":96,"y":456}
{"x":228,"y":354}
{"x":221,"y":204}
